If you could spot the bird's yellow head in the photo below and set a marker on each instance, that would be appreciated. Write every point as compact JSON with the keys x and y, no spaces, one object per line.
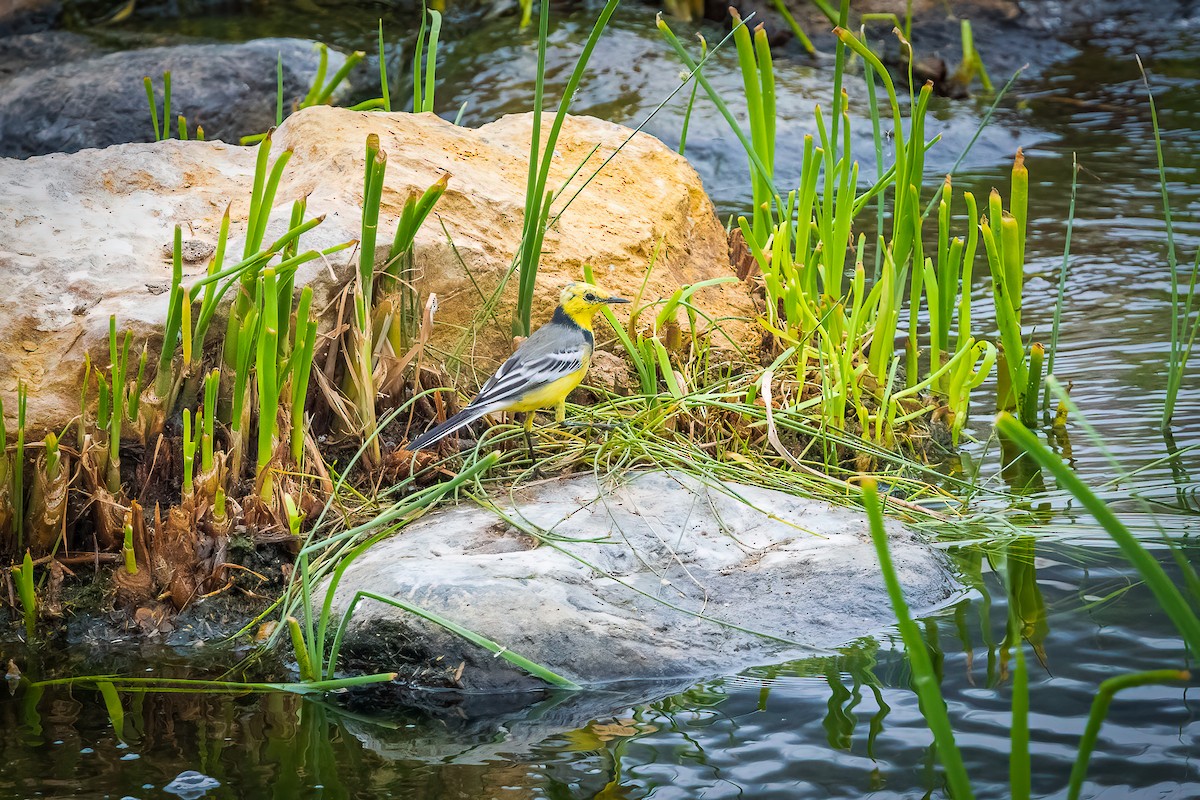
{"x":580,"y":301}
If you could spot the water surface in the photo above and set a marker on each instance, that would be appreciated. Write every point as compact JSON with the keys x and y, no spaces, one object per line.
{"x":846,"y":726}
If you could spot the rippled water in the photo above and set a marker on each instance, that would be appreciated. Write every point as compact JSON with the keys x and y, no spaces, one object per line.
{"x":846,"y":726}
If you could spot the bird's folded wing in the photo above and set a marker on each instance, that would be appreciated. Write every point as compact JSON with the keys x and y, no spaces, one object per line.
{"x":524,"y":373}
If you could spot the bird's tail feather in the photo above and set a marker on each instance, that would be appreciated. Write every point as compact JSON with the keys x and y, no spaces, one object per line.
{"x":439,"y":432}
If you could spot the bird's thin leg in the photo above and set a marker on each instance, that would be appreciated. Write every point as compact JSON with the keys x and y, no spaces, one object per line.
{"x":529,"y":433}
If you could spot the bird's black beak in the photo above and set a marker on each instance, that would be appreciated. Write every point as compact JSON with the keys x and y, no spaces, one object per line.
{"x":613,"y":301}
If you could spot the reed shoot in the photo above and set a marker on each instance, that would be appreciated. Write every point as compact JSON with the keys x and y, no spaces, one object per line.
{"x":25,"y":591}
{"x":127,"y":549}
{"x":212,"y":383}
{"x":1184,"y":328}
{"x":189,"y":454}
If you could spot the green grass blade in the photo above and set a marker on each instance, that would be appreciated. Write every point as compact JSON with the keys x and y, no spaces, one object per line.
{"x":1168,"y":595}
{"x":112,"y":704}
{"x":383,"y":76}
{"x":517,"y":660}
{"x":149,"y":84}
{"x":1100,"y":704}
{"x":431,"y":61}
{"x":924,"y":677}
{"x":25,"y":591}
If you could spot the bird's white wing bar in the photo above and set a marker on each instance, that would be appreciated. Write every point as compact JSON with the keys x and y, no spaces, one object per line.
{"x":521,"y":374}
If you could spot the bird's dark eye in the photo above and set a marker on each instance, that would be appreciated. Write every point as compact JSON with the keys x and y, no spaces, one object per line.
{"x":590,"y":297}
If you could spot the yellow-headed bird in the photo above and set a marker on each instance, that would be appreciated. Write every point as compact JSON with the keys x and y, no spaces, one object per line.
{"x":543,"y":370}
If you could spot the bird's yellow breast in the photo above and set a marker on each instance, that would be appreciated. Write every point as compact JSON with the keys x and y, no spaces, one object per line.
{"x":552,"y":393}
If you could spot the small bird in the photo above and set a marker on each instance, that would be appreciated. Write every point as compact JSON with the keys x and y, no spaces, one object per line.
{"x":543,"y":370}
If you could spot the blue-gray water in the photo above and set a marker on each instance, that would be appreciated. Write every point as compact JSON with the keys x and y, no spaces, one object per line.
{"x":846,"y":726}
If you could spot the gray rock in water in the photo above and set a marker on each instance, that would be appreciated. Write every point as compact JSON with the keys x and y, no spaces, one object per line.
{"x":229,"y":89}
{"x":32,"y":51}
{"x":651,"y":576}
{"x":26,"y":16}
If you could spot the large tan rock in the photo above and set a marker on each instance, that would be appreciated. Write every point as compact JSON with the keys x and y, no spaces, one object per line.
{"x":86,"y":235}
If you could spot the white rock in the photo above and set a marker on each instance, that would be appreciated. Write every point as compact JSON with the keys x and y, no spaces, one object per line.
{"x":651,"y":576}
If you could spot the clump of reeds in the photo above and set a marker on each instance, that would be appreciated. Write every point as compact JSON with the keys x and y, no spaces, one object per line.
{"x":163,"y":131}
{"x":839,"y":324}
{"x":1003,"y":233}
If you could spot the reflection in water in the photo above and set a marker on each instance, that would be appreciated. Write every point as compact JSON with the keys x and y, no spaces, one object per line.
{"x":839,"y":726}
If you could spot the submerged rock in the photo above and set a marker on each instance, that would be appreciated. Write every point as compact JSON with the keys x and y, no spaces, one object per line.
{"x":654,"y":576}
{"x":86,"y":235}
{"x":229,"y":89}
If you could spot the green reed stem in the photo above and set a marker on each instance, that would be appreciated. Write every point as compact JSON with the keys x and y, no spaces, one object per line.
{"x":755,"y":161}
{"x":536,"y":195}
{"x":112,"y":704}
{"x":166,"y":116}
{"x":303,"y":663}
{"x":362,"y":370}
{"x":1180,"y":352}
{"x":376,"y":168}
{"x":118,"y":361}
{"x":383,"y":76}
{"x":149,"y":84}
{"x":797,"y":31}
{"x":425,"y":61}
{"x":687,"y":114}
{"x":267,"y":373}
{"x":435,"y":27}
{"x":307,"y":328}
{"x":164,"y":380}
{"x":1029,"y":406}
{"x":189,"y":453}
{"x":1062,"y":278}
{"x":18,"y":468}
{"x":352,"y":61}
{"x":318,"y":79}
{"x":135,"y":394}
{"x":212,"y":383}
{"x":279,"y":87}
{"x":127,"y":549}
